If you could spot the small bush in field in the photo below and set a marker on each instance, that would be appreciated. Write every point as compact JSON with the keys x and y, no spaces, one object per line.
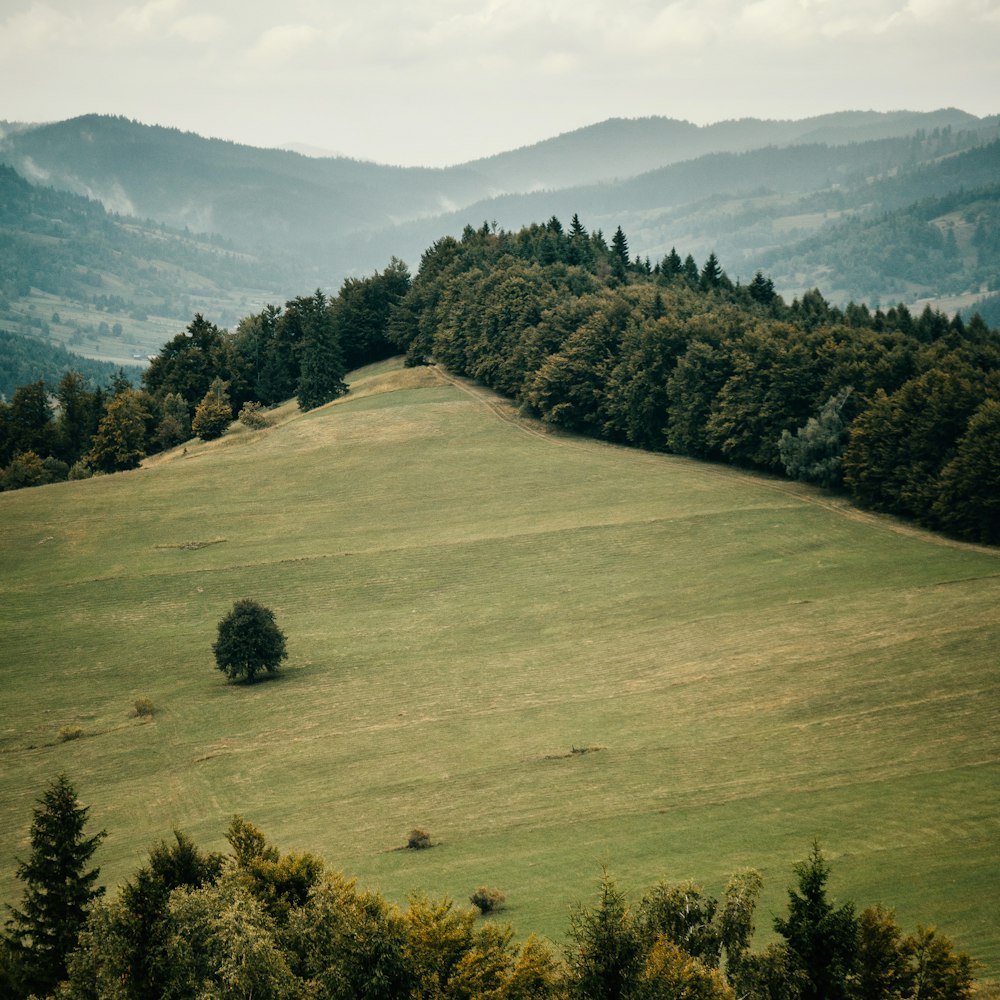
{"x":144,"y":708}
{"x":252,"y":415}
{"x":68,"y":733}
{"x":418,"y":839}
{"x":487,"y":899}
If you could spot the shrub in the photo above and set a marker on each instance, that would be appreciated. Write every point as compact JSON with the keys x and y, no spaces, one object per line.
{"x":80,"y":470}
{"x":252,"y":415}
{"x":68,"y":733}
{"x":418,"y":839}
{"x":487,"y":899}
{"x":144,"y":708}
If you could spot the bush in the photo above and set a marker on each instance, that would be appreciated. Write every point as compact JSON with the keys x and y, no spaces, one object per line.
{"x":80,"y":470}
{"x":252,"y":415}
{"x":487,"y":899}
{"x":68,"y":733}
{"x":418,"y":839}
{"x":144,"y":708}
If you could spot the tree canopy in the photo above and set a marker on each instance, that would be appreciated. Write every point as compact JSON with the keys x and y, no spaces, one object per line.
{"x":249,"y":642}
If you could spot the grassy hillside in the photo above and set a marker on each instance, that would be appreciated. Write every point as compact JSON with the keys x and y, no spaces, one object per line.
{"x":468,"y":599}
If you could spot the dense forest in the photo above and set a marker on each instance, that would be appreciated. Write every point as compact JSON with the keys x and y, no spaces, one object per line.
{"x":256,"y":922}
{"x":900,"y":411}
{"x":197,"y":383}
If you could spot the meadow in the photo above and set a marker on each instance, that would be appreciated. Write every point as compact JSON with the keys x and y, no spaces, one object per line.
{"x":469,"y":599}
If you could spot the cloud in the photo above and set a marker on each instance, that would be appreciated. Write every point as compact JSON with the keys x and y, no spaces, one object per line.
{"x":38,"y":27}
{"x":197,"y":28}
{"x":280,"y":43}
{"x":148,"y":17}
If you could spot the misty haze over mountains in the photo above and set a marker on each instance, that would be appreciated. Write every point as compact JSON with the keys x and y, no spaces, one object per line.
{"x":761,"y":194}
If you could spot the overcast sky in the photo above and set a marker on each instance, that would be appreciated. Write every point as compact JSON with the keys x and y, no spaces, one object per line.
{"x":444,"y":81}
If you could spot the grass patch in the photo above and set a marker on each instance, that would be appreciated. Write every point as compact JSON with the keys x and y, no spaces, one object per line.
{"x":462,"y":600}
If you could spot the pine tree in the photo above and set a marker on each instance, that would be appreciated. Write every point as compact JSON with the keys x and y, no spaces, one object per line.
{"x":821,"y":939}
{"x":711,"y":273}
{"x":322,"y":369}
{"x":619,"y":254}
{"x":58,"y":889}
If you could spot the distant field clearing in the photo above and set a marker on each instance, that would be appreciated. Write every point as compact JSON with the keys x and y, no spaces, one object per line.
{"x":468,"y":599}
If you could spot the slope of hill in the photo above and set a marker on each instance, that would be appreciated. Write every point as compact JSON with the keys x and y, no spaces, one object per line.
{"x":469,"y":598}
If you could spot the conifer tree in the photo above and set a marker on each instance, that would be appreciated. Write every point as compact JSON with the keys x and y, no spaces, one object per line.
{"x":322,"y":370}
{"x":619,"y":254}
{"x":58,"y":890}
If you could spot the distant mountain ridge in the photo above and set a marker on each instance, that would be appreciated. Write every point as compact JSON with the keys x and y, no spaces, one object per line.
{"x":744,"y":188}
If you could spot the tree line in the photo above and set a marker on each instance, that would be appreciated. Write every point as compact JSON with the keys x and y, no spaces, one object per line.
{"x":900,"y":411}
{"x":198,"y":382}
{"x":257,"y":922}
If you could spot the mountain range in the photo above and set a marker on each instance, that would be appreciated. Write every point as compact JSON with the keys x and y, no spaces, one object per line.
{"x":866,"y":206}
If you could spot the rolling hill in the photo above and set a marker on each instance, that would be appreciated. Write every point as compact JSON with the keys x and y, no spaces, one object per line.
{"x":742,"y":188}
{"x":469,"y":598}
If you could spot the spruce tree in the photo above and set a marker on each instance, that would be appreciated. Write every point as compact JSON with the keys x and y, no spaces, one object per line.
{"x":619,"y":254}
{"x":322,"y":369}
{"x":58,"y":890}
{"x":821,"y":939}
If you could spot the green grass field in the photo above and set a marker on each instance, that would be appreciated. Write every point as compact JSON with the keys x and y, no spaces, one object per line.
{"x":466,"y":601}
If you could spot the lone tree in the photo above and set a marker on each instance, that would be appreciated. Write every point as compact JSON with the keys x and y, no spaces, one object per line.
{"x":249,"y":642}
{"x":58,"y":890}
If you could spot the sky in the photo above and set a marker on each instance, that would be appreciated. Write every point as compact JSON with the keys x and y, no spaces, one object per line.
{"x":438,"y":82}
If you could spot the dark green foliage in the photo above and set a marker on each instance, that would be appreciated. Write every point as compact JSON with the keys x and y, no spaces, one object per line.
{"x":321,"y":361}
{"x":249,"y":642}
{"x":488,"y":899}
{"x":813,"y":454}
{"x":605,"y":955}
{"x":968,"y":497}
{"x":821,"y":939}
{"x":120,"y":441}
{"x":175,"y":424}
{"x":59,"y":890}
{"x":187,"y":364}
{"x":142,"y":922}
{"x":684,"y":915}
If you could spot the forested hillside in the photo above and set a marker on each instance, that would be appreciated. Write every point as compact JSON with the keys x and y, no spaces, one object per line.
{"x":27,"y":359}
{"x":110,"y":286}
{"x":748,"y":190}
{"x":902,"y":411}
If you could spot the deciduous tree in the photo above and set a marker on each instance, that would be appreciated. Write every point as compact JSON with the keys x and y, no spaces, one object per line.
{"x":249,"y":642}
